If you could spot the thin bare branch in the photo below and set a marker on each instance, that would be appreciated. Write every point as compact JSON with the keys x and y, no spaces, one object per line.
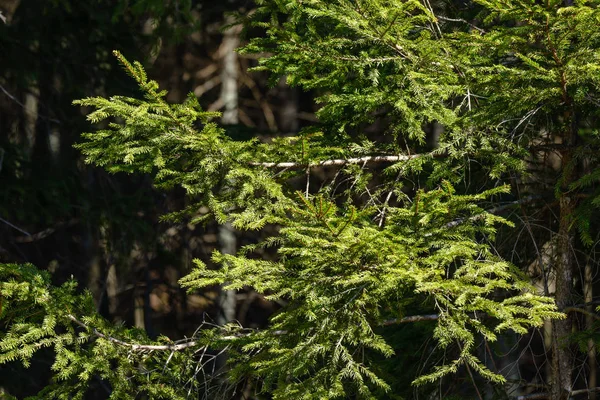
{"x":13,"y":98}
{"x":15,"y":227}
{"x":460,"y":20}
{"x":45,"y":233}
{"x":412,"y":318}
{"x":356,"y":160}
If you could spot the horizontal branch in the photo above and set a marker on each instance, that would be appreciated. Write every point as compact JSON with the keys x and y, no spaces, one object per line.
{"x":373,"y":159}
{"x":369,"y":159}
{"x":342,"y":161}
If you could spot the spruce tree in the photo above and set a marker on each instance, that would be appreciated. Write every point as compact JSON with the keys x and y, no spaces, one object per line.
{"x":396,"y":225}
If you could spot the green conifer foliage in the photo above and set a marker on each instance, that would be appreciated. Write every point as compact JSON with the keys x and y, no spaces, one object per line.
{"x":365,"y":246}
{"x":87,"y":351}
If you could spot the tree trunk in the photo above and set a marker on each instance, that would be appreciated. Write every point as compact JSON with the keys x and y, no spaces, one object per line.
{"x":31,"y":108}
{"x":8,"y":7}
{"x":229,"y":97}
{"x":562,"y":360}
{"x":288,"y":112}
{"x":589,"y":321}
{"x":561,"y":354}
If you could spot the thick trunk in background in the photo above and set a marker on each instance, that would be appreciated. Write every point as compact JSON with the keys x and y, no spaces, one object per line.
{"x":561,"y":353}
{"x":94,"y":277}
{"x":8,"y":8}
{"x":112,"y":289}
{"x":288,"y":113}
{"x":562,"y":357}
{"x":138,"y":311}
{"x":226,"y":235}
{"x":93,"y":253}
{"x":229,"y":76}
{"x":229,"y":97}
{"x":588,"y":295}
{"x":227,"y":298}
{"x":31,"y":106}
